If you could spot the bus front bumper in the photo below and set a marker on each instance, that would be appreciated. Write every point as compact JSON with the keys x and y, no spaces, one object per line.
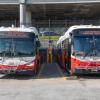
{"x":20,"y":72}
{"x":87,"y":71}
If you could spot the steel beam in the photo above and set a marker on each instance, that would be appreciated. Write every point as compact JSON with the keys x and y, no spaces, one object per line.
{"x":47,"y":1}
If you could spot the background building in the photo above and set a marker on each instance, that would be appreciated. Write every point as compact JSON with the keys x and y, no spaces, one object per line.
{"x":49,"y":15}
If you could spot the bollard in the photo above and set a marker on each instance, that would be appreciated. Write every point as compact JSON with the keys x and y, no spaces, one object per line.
{"x":49,"y":55}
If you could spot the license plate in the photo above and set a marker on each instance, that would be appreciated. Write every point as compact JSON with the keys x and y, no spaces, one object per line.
{"x":10,"y":71}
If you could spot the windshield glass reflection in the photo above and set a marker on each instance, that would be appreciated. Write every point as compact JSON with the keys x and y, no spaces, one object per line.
{"x":86,"y":46}
{"x":16,"y":47}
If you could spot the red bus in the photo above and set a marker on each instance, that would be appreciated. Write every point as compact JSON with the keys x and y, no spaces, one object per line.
{"x":18,"y":50}
{"x":79,"y":50}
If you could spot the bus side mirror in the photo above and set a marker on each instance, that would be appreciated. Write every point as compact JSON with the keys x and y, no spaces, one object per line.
{"x":38,"y":43}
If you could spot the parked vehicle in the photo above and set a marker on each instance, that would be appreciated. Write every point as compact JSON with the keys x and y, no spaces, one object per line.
{"x":79,"y":49}
{"x":19,"y":50}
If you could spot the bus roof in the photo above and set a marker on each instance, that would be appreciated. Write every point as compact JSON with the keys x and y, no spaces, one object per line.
{"x":67,"y":33}
{"x":20,"y":29}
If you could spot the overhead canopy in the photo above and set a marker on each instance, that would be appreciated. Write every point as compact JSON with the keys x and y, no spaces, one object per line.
{"x":54,"y":11}
{"x":46,"y":1}
{"x":51,"y":9}
{"x":66,"y":11}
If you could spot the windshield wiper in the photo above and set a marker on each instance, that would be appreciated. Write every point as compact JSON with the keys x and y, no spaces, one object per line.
{"x":92,"y":48}
{"x":88,"y":51}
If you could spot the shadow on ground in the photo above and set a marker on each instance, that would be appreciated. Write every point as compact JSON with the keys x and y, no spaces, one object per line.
{"x":51,"y":71}
{"x":89,"y":76}
{"x":17,"y":77}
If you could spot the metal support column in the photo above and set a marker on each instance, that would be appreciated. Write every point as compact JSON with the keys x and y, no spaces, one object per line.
{"x":22,"y":12}
{"x":28,"y":18}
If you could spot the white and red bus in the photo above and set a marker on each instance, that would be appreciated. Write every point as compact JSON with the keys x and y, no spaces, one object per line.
{"x":18,"y":50}
{"x":79,"y":49}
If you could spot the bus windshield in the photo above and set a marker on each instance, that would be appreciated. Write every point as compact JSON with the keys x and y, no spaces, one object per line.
{"x":86,"y":45}
{"x":11,"y":47}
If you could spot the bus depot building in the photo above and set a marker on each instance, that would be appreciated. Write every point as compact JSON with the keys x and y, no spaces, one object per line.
{"x":51,"y":17}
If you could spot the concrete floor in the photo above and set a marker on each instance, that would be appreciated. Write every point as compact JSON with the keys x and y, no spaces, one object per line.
{"x":49,"y":89}
{"x":54,"y":88}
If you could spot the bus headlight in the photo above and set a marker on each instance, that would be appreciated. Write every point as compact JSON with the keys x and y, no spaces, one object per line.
{"x":31,"y":64}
